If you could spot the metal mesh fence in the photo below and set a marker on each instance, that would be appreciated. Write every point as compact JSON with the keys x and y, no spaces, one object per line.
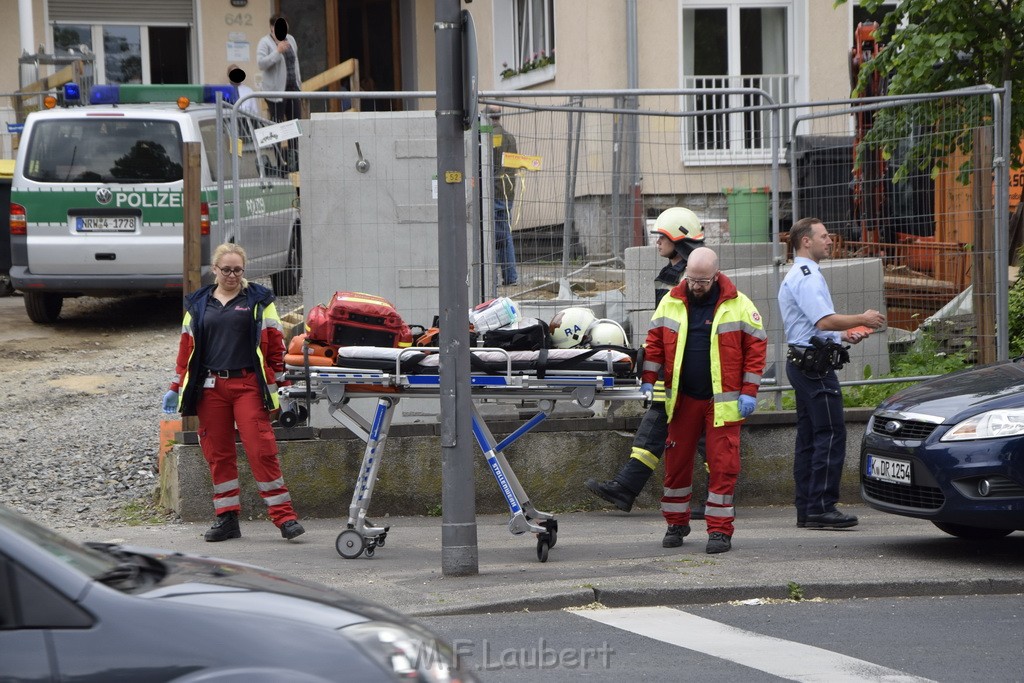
{"x":910,"y":190}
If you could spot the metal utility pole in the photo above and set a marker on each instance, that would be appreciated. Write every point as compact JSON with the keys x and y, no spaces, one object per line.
{"x":459,"y":556}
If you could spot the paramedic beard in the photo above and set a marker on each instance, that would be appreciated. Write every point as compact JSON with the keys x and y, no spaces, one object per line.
{"x":699,"y":297}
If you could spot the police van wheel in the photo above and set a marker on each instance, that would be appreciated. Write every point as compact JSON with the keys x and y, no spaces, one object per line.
{"x":286,"y":283}
{"x":43,"y":307}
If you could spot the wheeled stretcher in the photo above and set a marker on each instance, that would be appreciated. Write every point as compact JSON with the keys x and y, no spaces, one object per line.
{"x":388,"y":375}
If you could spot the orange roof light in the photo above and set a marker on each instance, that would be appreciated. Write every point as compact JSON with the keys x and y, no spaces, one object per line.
{"x":49,"y":101}
{"x":183,"y":103}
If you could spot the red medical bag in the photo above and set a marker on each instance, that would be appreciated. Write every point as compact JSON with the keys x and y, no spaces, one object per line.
{"x":357,"y":319}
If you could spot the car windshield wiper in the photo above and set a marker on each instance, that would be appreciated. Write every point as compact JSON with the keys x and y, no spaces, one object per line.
{"x":130,"y":568}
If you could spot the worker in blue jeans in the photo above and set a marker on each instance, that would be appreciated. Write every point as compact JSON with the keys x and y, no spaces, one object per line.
{"x":504,"y":193}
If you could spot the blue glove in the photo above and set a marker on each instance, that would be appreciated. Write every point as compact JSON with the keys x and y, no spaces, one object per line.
{"x":747,"y":405}
{"x":648,"y":389}
{"x":171,"y":402}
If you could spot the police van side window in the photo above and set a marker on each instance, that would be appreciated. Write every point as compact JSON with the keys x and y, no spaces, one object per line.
{"x":243,"y":147}
{"x":104,"y":151}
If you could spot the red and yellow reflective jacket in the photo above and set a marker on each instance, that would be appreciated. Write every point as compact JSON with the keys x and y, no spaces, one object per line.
{"x":738,"y":346}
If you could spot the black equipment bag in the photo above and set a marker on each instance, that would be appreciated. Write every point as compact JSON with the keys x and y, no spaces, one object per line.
{"x":528,"y":334}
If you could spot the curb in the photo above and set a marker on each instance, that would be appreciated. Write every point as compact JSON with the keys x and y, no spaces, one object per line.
{"x":650,"y":597}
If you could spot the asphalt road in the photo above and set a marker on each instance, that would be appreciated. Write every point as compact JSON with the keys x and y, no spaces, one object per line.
{"x":963,"y":638}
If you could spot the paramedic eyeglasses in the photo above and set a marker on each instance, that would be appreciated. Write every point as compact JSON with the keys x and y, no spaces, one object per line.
{"x":231,"y":271}
{"x":701,"y":281}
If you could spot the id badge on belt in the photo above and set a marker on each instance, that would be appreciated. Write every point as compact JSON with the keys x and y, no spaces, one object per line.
{"x":209,"y":382}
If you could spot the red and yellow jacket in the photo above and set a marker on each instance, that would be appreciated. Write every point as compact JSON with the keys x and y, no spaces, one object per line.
{"x":738,"y":346}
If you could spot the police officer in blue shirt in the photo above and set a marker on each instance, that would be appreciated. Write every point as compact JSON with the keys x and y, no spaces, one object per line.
{"x":815,"y":332}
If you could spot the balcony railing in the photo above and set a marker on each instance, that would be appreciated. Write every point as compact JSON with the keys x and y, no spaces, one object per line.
{"x":731,"y":133}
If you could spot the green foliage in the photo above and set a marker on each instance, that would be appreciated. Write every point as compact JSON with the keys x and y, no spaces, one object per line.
{"x":925,"y":357}
{"x":796,"y":591}
{"x":1016,"y":325}
{"x":939,"y":46}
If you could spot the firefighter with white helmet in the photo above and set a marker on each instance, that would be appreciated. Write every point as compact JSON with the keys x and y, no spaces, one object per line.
{"x":570,"y":325}
{"x":679,"y":232}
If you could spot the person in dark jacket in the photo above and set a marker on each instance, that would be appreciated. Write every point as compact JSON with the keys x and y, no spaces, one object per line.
{"x":679,"y":232}
{"x":230,"y":361}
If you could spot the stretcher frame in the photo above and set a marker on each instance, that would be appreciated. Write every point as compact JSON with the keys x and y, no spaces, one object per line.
{"x":314,"y":384}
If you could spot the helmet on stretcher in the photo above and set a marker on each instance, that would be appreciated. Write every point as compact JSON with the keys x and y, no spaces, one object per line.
{"x":570,"y":325}
{"x":606,"y":332}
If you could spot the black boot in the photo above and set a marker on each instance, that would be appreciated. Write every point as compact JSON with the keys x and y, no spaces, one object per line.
{"x":224,"y":528}
{"x":625,"y":487}
{"x":613,"y":492}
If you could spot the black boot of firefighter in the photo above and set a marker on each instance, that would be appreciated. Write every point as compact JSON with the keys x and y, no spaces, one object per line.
{"x":224,"y":528}
{"x":625,"y":487}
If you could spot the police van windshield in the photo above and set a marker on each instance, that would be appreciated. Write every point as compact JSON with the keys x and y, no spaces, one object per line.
{"x":104,"y":150}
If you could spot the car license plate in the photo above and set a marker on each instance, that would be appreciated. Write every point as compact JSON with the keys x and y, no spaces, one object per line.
{"x":886,"y":469}
{"x":106,"y":223}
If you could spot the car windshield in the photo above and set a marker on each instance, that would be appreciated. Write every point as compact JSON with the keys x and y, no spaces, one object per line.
{"x":84,"y":559}
{"x":104,"y":150}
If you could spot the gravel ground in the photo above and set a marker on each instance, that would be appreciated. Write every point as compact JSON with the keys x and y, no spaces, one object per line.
{"x":79,"y":430}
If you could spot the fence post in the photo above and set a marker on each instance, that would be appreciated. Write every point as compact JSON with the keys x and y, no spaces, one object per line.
{"x":191,"y":234}
{"x":984,"y":247}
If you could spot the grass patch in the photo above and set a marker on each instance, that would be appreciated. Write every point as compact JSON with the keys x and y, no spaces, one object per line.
{"x":141,"y":512}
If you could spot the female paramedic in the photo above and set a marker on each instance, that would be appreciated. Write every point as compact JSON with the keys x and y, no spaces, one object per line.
{"x":230,"y":357}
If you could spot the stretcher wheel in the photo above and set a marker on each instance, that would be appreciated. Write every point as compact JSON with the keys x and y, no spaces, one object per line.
{"x":543,"y":545}
{"x":381,"y":539}
{"x":552,"y":526}
{"x":350,"y":544}
{"x":369,"y":551}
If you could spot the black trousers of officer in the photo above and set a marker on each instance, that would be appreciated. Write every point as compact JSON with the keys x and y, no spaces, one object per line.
{"x":820,"y":440}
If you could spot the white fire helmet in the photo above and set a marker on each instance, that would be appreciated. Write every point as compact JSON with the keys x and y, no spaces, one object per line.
{"x":570,"y":325}
{"x":606,"y":332}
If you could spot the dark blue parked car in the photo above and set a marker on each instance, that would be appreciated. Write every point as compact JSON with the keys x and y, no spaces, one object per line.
{"x":105,"y":613}
{"x":951,"y":450}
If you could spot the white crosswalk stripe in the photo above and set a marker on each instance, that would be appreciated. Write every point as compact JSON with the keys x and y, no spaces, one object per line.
{"x":783,"y":658}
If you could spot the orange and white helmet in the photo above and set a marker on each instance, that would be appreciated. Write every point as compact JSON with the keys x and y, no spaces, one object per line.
{"x":606,"y":332}
{"x":678,"y":224}
{"x":570,"y":325}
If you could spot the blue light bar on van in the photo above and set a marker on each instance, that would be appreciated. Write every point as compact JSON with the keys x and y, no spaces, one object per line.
{"x":229,"y":93}
{"x":72,"y":93}
{"x":104,"y":94}
{"x":144,"y":94}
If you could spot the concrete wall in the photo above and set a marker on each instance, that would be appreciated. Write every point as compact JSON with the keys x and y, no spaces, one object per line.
{"x":551,"y":462}
{"x":856,"y":285}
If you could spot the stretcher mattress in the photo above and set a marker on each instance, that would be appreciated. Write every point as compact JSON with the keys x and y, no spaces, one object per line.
{"x":412,"y":361}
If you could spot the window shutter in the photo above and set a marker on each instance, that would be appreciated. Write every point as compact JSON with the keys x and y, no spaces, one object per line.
{"x":120,"y":12}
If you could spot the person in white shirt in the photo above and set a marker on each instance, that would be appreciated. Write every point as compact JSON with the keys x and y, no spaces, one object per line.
{"x":236,"y":76}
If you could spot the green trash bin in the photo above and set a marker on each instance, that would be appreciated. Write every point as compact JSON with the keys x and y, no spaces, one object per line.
{"x":748,"y":213}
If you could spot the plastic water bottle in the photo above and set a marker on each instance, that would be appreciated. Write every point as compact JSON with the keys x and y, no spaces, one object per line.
{"x":493,"y":314}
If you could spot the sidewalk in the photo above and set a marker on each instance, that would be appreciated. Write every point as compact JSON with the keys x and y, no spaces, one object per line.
{"x":617,"y":559}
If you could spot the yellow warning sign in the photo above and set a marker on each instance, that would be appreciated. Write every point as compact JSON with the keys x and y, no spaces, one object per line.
{"x":510,"y":160}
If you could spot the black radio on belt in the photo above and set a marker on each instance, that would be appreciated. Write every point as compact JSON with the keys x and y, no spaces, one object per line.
{"x":821,"y":356}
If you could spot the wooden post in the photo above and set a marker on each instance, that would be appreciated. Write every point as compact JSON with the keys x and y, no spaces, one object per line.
{"x":984,"y":248}
{"x":192,"y":233}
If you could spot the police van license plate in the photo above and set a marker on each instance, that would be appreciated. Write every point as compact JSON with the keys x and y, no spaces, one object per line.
{"x":886,"y":469}
{"x":106,"y":223}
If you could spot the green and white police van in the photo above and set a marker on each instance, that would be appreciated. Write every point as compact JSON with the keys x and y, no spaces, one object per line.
{"x":97,"y":196}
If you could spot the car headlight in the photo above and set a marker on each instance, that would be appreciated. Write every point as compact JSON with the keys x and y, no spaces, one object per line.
{"x":991,"y":425}
{"x":411,"y":654}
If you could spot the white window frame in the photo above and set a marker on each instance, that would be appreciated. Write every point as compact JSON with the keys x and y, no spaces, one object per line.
{"x":509,"y":41}
{"x":99,"y":49}
{"x":797,"y":68}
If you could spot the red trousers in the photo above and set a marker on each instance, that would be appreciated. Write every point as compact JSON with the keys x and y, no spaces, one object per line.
{"x":691,"y":418}
{"x":237,"y":401}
